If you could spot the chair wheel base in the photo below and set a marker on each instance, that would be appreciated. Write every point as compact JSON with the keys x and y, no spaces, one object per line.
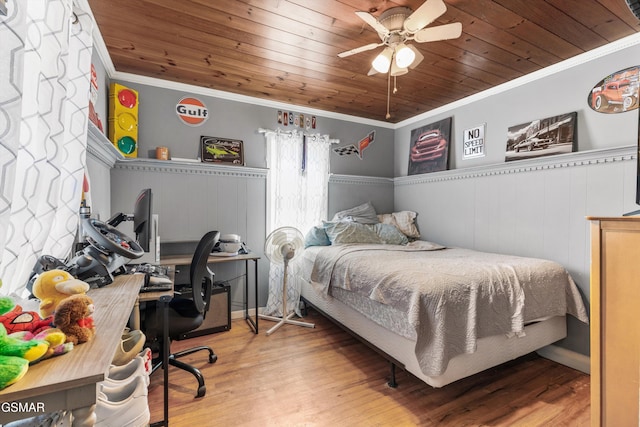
{"x":202,"y":390}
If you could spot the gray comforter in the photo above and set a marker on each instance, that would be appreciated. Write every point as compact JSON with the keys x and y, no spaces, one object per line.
{"x":452,"y":296}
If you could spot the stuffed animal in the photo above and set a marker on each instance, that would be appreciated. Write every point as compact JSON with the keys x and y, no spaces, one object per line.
{"x":15,"y":356}
{"x":15,"y":319}
{"x":12,"y":369}
{"x":73,"y":317}
{"x":55,"y":337}
{"x":53,"y":286}
{"x":30,"y":350}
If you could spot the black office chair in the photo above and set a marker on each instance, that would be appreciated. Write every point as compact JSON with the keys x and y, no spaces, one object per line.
{"x":186,"y":312}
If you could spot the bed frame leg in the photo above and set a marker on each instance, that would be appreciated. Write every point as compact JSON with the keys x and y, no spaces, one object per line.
{"x":392,"y":382}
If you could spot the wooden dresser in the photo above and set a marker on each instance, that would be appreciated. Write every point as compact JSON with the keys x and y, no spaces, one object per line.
{"x":615,"y":321}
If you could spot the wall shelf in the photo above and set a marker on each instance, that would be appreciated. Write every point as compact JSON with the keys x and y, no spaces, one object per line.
{"x":101,"y":149}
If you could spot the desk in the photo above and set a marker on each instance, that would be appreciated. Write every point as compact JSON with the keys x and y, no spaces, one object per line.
{"x":69,"y":381}
{"x":174,"y":260}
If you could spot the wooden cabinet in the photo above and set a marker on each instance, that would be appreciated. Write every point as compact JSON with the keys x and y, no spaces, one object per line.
{"x":615,"y":321}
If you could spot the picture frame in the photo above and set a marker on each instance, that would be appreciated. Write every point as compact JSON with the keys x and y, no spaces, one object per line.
{"x":221,"y":150}
{"x":542,"y":137}
{"x":429,"y":147}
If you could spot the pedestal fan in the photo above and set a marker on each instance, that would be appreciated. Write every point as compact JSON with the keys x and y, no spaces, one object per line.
{"x":281,"y":247}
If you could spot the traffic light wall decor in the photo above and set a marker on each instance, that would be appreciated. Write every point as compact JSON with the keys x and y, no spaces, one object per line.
{"x":123,"y":119}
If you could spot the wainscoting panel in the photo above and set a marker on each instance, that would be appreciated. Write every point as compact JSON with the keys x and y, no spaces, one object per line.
{"x":191,"y":199}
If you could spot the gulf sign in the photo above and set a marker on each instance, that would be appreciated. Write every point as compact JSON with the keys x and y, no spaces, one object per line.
{"x":192,"y":111}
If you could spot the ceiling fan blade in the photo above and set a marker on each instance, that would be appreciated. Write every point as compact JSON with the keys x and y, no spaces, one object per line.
{"x":359,"y":49}
{"x":373,"y":22}
{"x":418,"y":59}
{"x":424,"y":15}
{"x":442,"y":32}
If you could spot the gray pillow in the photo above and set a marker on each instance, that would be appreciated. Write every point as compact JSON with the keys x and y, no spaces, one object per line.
{"x":389,"y":234}
{"x":363,"y":214}
{"x":350,"y":232}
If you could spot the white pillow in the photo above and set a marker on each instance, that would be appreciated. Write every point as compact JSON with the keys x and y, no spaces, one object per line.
{"x":405,"y":221}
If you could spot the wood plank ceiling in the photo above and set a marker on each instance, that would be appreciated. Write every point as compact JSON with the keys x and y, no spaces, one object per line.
{"x":286,"y":50}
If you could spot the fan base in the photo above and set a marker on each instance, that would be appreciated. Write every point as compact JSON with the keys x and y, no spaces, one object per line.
{"x":281,"y":321}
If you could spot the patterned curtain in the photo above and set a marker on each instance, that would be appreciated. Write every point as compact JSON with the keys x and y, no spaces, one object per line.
{"x":45,"y":62}
{"x":297,"y":196}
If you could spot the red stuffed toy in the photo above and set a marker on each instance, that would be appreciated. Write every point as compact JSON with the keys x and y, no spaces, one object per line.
{"x":17,"y":320}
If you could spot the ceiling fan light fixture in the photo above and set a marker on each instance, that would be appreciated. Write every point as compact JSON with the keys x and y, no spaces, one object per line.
{"x":404,"y":56}
{"x":382,"y":62}
{"x":398,"y":71}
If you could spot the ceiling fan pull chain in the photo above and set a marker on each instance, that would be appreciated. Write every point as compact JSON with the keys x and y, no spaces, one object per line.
{"x":388,"y":116}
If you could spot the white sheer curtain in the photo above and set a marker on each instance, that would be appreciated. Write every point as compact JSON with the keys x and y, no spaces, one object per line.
{"x":45,"y":62}
{"x":296,"y":197}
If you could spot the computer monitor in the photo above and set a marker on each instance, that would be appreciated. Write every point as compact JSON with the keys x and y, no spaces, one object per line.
{"x":142,"y":218}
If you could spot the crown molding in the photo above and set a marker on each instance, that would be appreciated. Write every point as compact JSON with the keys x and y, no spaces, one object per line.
{"x":103,"y":53}
{"x":580,"y":59}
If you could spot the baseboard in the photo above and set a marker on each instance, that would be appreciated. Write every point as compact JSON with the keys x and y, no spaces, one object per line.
{"x":566,"y":357}
{"x":239,"y":314}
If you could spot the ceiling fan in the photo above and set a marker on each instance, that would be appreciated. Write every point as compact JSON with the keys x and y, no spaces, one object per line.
{"x":399,"y":25}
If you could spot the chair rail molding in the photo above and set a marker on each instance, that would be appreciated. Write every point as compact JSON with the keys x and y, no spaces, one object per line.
{"x":356,"y":179}
{"x":100,"y":148}
{"x":583,"y":158}
{"x":187,"y":167}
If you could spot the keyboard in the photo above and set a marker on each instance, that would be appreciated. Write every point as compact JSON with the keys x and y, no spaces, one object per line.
{"x":156,"y":288}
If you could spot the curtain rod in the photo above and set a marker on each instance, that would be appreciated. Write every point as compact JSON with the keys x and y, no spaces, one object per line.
{"x":295,"y":131}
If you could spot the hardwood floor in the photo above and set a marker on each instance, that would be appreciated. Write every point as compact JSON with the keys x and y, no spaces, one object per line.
{"x":324,"y":377}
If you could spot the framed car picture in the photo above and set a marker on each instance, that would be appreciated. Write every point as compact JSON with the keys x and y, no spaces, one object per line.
{"x":221,"y":150}
{"x":542,"y":137}
{"x":429,"y":147}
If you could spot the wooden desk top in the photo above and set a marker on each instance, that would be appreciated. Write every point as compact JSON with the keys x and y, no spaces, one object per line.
{"x":87,"y":363}
{"x":186,"y":259}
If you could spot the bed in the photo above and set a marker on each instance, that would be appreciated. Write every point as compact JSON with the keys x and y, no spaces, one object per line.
{"x":440,"y":313}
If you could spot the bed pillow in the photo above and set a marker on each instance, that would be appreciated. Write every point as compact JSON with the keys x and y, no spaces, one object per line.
{"x":389,"y":234}
{"x":405,"y":221}
{"x":350,"y":232}
{"x":363,"y":214}
{"x":316,"y":237}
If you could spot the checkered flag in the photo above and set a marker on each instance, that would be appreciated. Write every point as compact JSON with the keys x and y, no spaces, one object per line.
{"x":346,"y":151}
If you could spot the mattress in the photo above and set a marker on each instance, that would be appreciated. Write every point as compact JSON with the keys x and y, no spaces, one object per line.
{"x":351,"y":275}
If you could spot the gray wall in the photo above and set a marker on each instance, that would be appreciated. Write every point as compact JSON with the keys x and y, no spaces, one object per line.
{"x":159,"y":125}
{"x":191,"y":199}
{"x":537,"y":207}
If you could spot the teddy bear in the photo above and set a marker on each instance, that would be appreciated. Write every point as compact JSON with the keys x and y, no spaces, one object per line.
{"x":73,"y":318}
{"x":53,"y":286}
